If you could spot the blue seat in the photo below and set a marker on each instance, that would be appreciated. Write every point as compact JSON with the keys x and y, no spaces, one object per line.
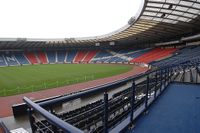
{"x":51,"y":55}
{"x":21,"y":58}
{"x":61,"y":56}
{"x":2,"y":61}
{"x":70,"y":56}
{"x":11,"y":60}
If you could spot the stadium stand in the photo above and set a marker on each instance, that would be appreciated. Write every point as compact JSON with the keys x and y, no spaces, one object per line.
{"x":42,"y":57}
{"x":137,"y":53}
{"x":101,"y":56}
{"x":187,"y":54}
{"x":80,"y":56}
{"x":91,"y":117}
{"x":32,"y":57}
{"x":70,"y":56}
{"x":51,"y":55}
{"x":153,"y":55}
{"x":10,"y":59}
{"x":164,"y":37}
{"x":145,"y":56}
{"x":61,"y":56}
{"x":89,"y":56}
{"x":2,"y":60}
{"x":21,"y":58}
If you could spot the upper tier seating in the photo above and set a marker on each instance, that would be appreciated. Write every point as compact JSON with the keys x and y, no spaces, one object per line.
{"x":42,"y":57}
{"x":21,"y":58}
{"x":51,"y":55}
{"x":32,"y":57}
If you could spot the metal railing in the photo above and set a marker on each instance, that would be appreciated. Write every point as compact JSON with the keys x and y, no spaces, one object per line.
{"x":145,"y":89}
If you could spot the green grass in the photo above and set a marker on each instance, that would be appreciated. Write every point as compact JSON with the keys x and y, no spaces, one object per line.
{"x":22,"y":79}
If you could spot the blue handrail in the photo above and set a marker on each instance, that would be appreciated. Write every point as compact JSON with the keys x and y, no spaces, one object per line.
{"x":66,"y":127}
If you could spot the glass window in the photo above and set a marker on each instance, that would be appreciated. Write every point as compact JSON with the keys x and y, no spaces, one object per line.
{"x":153,"y":9}
{"x":150,"y":13}
{"x":147,"y":17}
{"x":186,"y":3}
{"x":180,"y":8}
{"x":172,"y":17}
{"x":193,"y":11}
{"x":158,"y":19}
{"x":188,"y":15}
{"x":166,"y":11}
{"x":173,"y":1}
{"x":157,"y":0}
{"x":167,"y":20}
{"x":155,"y":4}
{"x":177,"y":12}
{"x":182,"y":19}
{"x":196,"y":6}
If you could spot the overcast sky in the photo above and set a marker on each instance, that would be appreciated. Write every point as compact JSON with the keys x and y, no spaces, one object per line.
{"x":63,"y":18}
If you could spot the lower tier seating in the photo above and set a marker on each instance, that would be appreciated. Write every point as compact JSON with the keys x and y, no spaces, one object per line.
{"x":156,"y":57}
{"x":31,"y":57}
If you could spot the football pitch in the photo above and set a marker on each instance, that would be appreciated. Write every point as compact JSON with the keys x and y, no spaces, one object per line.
{"x":21,"y":79}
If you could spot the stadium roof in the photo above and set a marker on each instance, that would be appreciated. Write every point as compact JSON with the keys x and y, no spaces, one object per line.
{"x":157,"y":21}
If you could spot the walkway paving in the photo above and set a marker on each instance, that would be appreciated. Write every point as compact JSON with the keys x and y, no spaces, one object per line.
{"x":176,"y":111}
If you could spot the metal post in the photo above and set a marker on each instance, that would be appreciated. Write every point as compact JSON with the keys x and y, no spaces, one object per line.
{"x":155,"y":87}
{"x":147,"y":91}
{"x":31,"y":120}
{"x":191,"y":76}
{"x":132,"y":101}
{"x":168,"y":76}
{"x":160,"y":81}
{"x":196,"y":74}
{"x":105,"y":124}
{"x":183,"y":74}
{"x":165,"y":82}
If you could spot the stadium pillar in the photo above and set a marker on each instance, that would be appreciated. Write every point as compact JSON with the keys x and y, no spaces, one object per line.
{"x":105,"y":123}
{"x":31,"y":120}
{"x":132,"y":101}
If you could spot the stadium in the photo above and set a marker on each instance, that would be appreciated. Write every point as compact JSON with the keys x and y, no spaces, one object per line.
{"x":141,"y":78}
